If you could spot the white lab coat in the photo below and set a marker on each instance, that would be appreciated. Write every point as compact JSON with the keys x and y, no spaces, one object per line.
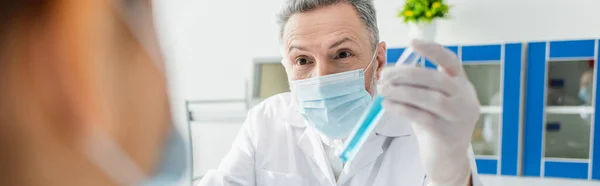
{"x":276,"y":147}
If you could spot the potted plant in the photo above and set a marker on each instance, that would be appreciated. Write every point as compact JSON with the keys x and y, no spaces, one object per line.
{"x":421,"y":16}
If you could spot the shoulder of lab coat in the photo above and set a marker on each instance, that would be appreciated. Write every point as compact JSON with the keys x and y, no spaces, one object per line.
{"x":238,"y":166}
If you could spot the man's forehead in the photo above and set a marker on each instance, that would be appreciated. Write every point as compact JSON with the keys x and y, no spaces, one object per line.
{"x":334,"y":19}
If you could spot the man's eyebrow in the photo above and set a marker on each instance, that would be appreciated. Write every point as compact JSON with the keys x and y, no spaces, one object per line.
{"x":297,"y":48}
{"x":344,"y":40}
{"x":336,"y":44}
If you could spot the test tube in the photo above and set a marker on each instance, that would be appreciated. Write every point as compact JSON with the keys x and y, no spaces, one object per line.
{"x":373,"y":113}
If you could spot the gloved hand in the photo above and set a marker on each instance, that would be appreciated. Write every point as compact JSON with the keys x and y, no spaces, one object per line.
{"x":443,"y":108}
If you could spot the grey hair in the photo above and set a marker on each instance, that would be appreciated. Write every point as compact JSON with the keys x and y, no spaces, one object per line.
{"x":364,"y":8}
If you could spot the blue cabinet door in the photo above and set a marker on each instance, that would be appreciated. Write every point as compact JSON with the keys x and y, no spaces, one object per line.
{"x":510,"y":59}
{"x":558,"y":140}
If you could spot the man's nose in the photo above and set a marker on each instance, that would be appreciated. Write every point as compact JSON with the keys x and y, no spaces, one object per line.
{"x":323,"y":68}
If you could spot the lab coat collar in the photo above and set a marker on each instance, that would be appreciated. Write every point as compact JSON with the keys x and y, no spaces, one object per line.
{"x":311,"y":145}
{"x":292,"y":113}
{"x":389,"y":125}
{"x":367,"y":155}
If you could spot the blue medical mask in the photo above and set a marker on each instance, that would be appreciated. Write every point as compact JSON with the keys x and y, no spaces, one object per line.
{"x":105,"y":152}
{"x":333,"y":103}
{"x":173,"y":162}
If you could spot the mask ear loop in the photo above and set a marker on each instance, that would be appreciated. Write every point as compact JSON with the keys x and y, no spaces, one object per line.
{"x":372,"y":59}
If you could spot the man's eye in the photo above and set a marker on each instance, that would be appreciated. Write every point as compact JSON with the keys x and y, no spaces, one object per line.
{"x":343,"y":55}
{"x":303,"y":61}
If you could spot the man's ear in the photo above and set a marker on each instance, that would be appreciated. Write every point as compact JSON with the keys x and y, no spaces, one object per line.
{"x":381,"y":58}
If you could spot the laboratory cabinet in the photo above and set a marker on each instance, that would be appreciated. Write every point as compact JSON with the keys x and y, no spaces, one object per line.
{"x":560,"y":110}
{"x":496,"y":72}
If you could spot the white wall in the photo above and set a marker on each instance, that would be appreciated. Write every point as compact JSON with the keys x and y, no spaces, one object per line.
{"x":492,"y":21}
{"x":207,"y":42}
{"x":210,"y":43}
{"x":206,"y":46}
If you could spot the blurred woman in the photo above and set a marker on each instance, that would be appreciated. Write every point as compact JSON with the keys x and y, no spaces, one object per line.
{"x":83,"y":96}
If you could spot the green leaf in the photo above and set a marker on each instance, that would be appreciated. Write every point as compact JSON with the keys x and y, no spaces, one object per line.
{"x":420,"y":8}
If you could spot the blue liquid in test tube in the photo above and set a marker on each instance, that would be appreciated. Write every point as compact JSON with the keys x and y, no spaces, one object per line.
{"x":370,"y":118}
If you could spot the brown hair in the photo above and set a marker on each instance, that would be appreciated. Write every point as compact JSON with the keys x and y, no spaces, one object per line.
{"x":16,"y":16}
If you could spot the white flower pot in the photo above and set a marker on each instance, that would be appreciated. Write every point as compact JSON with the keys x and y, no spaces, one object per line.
{"x":422,"y":31}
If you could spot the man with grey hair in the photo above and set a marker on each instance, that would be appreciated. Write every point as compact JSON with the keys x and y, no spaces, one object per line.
{"x":334,"y":60}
